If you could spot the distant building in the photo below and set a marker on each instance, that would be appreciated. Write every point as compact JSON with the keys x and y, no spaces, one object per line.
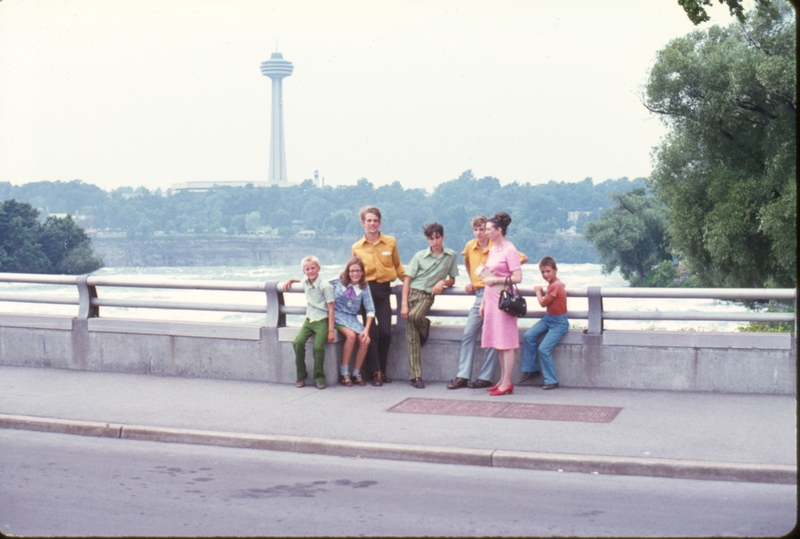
{"x":202,"y":187}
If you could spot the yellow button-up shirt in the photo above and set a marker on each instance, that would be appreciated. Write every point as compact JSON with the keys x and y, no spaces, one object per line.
{"x":475,"y":256}
{"x":381,"y":259}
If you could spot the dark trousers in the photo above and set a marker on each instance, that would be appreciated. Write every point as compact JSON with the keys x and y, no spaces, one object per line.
{"x":380,"y":334}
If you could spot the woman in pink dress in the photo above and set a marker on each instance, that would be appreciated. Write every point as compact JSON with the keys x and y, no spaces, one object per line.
{"x":500,"y":328}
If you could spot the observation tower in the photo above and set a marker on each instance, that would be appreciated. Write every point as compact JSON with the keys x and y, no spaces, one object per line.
{"x":277,"y":68}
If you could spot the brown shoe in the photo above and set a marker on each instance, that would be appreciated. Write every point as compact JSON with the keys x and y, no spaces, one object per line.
{"x":457,"y":383}
{"x":358,"y":380}
{"x":480,"y":384}
{"x":320,"y":385}
{"x":376,"y":379}
{"x":300,"y":383}
{"x":418,"y":383}
{"x":385,"y":379}
{"x":345,"y":380}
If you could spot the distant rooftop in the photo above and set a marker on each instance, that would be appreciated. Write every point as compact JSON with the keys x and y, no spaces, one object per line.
{"x":199,"y":187}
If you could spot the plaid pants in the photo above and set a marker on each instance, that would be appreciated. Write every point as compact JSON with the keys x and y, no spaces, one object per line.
{"x":419,"y":303}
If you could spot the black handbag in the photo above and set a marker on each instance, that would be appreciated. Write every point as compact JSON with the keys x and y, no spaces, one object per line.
{"x":511,"y":301}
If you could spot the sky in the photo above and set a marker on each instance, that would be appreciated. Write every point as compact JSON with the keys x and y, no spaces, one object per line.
{"x":157,"y":92}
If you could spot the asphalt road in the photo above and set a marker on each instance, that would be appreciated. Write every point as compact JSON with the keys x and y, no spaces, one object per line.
{"x":56,"y":484}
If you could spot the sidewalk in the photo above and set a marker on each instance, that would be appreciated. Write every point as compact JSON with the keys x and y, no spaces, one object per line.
{"x":674,"y":434}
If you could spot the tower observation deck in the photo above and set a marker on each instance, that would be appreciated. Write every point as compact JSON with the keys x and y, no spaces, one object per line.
{"x":276,"y":68}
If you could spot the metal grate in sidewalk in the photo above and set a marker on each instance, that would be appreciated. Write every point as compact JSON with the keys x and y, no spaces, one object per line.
{"x":508,"y":410}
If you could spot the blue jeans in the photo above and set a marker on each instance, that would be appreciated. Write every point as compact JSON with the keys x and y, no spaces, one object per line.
{"x":553,"y":328}
{"x":471,"y":333}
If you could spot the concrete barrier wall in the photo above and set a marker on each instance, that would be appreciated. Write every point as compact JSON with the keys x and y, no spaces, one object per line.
{"x":683,"y":361}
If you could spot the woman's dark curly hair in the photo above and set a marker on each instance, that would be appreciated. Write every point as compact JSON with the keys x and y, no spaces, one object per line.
{"x":500,"y":220}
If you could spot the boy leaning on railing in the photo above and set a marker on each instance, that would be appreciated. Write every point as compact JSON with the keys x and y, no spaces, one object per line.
{"x":318,"y":322}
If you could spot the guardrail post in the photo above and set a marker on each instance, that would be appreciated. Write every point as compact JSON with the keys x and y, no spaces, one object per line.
{"x":86,"y":293}
{"x":275,"y":318}
{"x":595,"y":311}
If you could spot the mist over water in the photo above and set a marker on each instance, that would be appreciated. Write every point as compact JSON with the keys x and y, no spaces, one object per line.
{"x":573,"y":275}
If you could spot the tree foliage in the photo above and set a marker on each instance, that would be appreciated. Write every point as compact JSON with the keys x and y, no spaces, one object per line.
{"x":727,"y":171}
{"x":630,"y":236}
{"x":697,"y":13}
{"x":57,"y":246}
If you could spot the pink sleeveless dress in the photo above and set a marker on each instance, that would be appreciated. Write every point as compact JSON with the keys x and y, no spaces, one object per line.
{"x":500,"y":329}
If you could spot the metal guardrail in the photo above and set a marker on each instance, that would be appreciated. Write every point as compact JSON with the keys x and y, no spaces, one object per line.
{"x":275,"y":309}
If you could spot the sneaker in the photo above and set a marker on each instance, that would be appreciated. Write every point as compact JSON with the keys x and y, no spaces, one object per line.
{"x":345,"y":380}
{"x":358,"y":380}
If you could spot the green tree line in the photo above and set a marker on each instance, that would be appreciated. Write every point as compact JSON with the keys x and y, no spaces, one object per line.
{"x":538,"y":211}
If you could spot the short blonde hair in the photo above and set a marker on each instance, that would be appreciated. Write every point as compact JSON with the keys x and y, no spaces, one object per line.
{"x":479,"y":221}
{"x":310,"y":258}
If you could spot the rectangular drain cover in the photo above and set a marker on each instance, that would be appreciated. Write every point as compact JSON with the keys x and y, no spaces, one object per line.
{"x":509,"y":410}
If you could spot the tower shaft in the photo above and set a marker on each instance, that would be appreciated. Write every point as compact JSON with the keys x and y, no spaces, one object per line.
{"x":277,"y":147}
{"x":276,"y":68}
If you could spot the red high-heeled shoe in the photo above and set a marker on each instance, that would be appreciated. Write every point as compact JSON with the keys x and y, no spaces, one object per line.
{"x":493,"y":388}
{"x":497,"y":392}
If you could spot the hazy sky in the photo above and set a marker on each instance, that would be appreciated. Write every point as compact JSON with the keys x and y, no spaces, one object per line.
{"x":155,"y":92}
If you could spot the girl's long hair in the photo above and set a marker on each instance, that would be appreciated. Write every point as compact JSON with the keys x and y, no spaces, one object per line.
{"x":345,"y":276}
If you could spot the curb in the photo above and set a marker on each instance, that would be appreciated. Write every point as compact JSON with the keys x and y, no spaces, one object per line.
{"x":648,"y":467}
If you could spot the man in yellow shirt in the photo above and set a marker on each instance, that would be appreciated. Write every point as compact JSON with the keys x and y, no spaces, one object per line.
{"x":382,"y":264}
{"x":475,"y":254}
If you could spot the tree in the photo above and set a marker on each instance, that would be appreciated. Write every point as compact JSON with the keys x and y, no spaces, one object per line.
{"x":237,"y":225}
{"x":252,"y":222}
{"x":61,"y":238}
{"x":630,"y":235}
{"x":79,"y":260}
{"x":57,"y":246}
{"x":20,"y":250}
{"x":336,"y":223}
{"x":696,"y":12}
{"x":727,"y":171}
{"x":280,"y":218}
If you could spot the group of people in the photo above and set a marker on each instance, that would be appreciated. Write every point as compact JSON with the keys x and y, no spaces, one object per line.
{"x":357,"y":304}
